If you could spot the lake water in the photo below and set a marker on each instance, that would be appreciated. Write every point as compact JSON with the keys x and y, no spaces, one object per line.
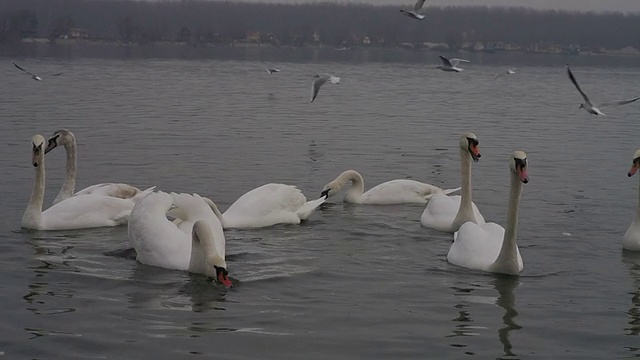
{"x":354,"y":282}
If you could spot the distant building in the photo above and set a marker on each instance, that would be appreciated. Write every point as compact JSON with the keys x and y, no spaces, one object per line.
{"x":78,"y":33}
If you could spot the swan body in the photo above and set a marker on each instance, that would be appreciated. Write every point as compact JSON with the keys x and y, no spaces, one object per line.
{"x":268,"y":205}
{"x":447,"y":213}
{"x":196,"y":245}
{"x":490,"y":247}
{"x":67,"y":139}
{"x":80,"y":212}
{"x":631,"y":239}
{"x":399,"y":191}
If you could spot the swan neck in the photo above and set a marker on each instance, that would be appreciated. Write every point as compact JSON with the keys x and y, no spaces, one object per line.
{"x":69,"y":185}
{"x":357,"y":184}
{"x":509,"y":249}
{"x":465,"y":172}
{"x":465,"y":211}
{"x":202,"y":233}
{"x":638,"y":208}
{"x":33,"y":213}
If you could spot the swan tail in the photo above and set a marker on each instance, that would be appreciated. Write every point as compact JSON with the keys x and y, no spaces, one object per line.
{"x":451,"y":191}
{"x":445,"y":191}
{"x":143,"y":193}
{"x":309,"y":207}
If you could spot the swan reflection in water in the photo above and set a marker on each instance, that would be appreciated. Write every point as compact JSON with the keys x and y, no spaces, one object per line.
{"x":632,"y":261}
{"x":504,"y":285}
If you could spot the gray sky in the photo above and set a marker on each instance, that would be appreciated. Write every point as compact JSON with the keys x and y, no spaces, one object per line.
{"x":584,"y":5}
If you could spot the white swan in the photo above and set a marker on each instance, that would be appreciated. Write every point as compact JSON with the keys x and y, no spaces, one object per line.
{"x":399,"y":191}
{"x":490,"y":247}
{"x":267,"y":205}
{"x":78,"y":212}
{"x":196,"y":245}
{"x":67,"y":139}
{"x":631,"y":240}
{"x":447,"y":213}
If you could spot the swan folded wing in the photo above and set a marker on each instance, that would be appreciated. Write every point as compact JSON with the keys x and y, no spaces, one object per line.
{"x":266,"y":205}
{"x":399,"y":191}
{"x":87,"y":212}
{"x":441,"y":211}
{"x":157,"y":241}
{"x":477,"y":246}
{"x":123,"y":191}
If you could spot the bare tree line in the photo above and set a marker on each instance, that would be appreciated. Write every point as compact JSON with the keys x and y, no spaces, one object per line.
{"x":331,"y":24}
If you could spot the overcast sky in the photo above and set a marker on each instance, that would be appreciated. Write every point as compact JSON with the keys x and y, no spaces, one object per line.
{"x":584,"y":5}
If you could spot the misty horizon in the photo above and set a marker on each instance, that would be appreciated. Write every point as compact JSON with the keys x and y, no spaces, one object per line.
{"x":568,"y":5}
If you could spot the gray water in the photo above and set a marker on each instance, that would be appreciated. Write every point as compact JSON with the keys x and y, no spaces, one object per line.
{"x":354,"y":282}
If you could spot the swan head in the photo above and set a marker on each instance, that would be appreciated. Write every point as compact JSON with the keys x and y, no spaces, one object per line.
{"x":469,"y":143}
{"x":636,"y":163}
{"x":59,"y":138}
{"x":37,"y":143}
{"x":519,"y":165}
{"x":222,"y":276}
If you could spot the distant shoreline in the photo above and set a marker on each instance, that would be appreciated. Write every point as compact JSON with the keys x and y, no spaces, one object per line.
{"x":114,"y":49}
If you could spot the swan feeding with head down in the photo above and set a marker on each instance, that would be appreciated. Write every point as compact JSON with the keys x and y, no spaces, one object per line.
{"x":196,"y":244}
{"x":490,"y":247}
{"x":399,"y":191}
{"x":447,"y":213}
{"x":78,"y":212}
{"x":631,"y":240}
{"x":267,"y":205}
{"x":67,"y":139}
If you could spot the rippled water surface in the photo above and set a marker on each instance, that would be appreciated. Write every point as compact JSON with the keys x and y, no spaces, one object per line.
{"x":354,"y":282}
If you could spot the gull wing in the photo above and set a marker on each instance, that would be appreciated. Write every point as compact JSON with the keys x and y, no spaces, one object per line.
{"x":56,"y":74}
{"x":620,"y":102}
{"x":418,"y":5}
{"x":18,"y":66}
{"x":456,"y":61}
{"x":573,"y":80}
{"x":445,"y":61}
{"x":497,"y":76}
{"x":317,"y":83}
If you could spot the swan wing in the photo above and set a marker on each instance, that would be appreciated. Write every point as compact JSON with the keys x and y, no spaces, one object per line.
{"x":477,"y":246}
{"x":266,"y":205}
{"x":88,"y":211}
{"x":157,"y":241}
{"x":441,"y":211}
{"x":122,"y":191}
{"x":399,"y":191}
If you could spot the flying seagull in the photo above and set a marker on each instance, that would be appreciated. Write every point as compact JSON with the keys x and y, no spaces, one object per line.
{"x":415,"y":13}
{"x":272,"y":70}
{"x":33,"y":76}
{"x":508,"y":72}
{"x":588,"y":106}
{"x":451,"y":65}
{"x":320,"y":80}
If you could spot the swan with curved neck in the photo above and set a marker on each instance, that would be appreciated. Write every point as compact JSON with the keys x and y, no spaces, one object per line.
{"x":67,"y":139}
{"x":447,"y":213}
{"x":631,"y":240}
{"x":74,"y":213}
{"x":399,"y":191}
{"x":196,"y":244}
{"x":490,"y":247}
